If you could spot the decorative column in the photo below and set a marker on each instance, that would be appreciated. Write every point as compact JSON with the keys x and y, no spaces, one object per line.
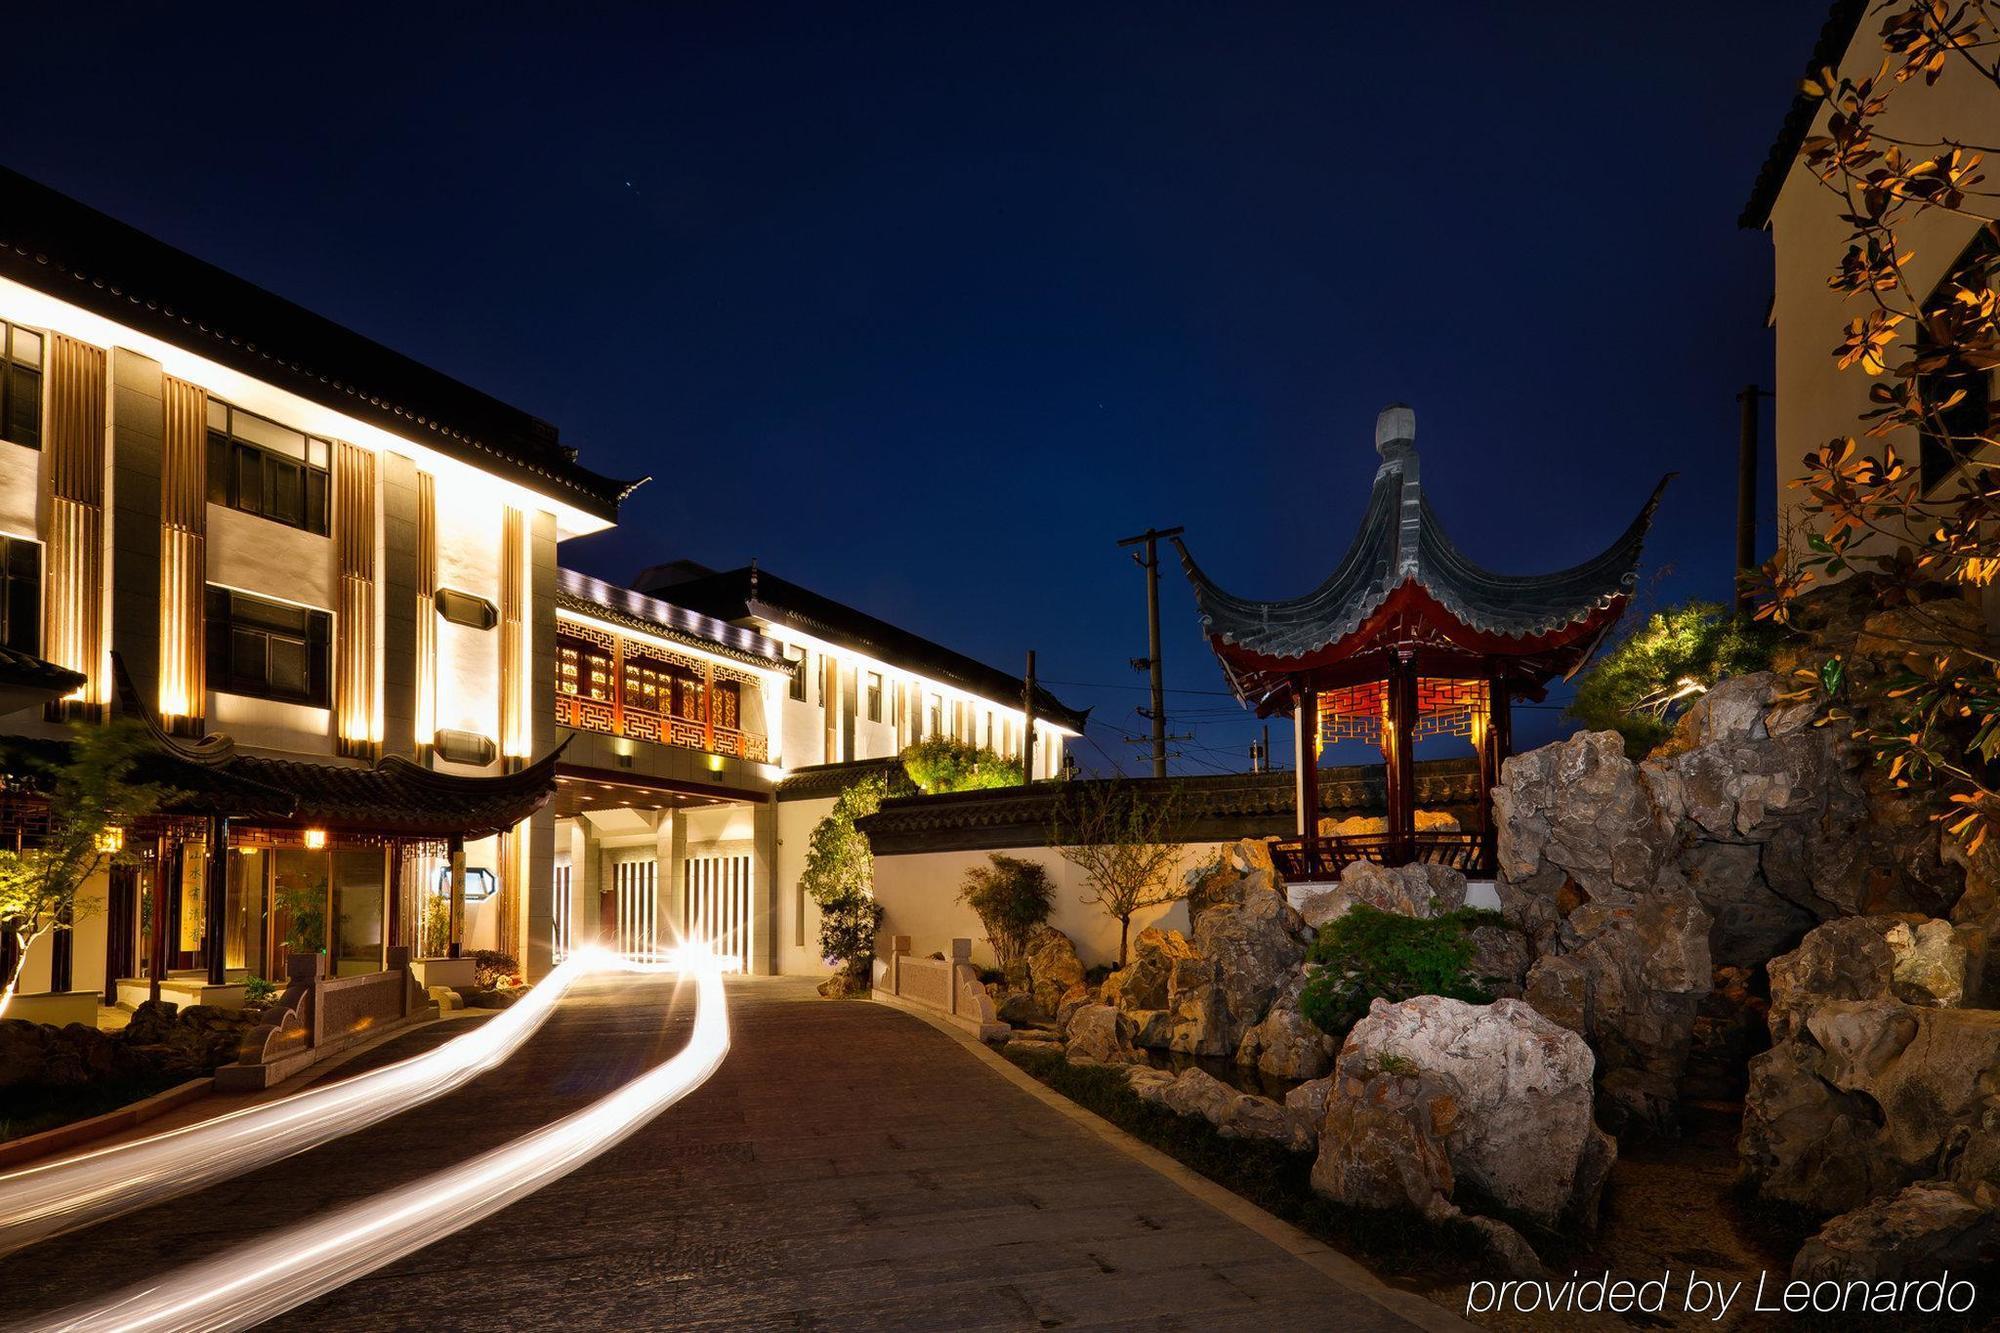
{"x":457,"y":929}
{"x":1305,"y":770}
{"x":216,"y":887}
{"x":516,"y":719}
{"x":355,"y":697}
{"x":183,"y":694}
{"x":425,"y":577}
{"x":1399,"y":757}
{"x":73,"y":611}
{"x":163,"y":875}
{"x":393,"y":915}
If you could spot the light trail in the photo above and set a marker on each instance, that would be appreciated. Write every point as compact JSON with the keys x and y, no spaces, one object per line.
{"x":47,"y":1200}
{"x":254,"y":1282}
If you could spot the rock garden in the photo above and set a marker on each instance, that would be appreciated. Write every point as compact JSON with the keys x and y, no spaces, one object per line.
{"x":1741,"y":963}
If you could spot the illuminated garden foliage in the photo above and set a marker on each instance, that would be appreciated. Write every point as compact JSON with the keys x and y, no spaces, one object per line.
{"x":942,"y":764}
{"x":1640,"y":688}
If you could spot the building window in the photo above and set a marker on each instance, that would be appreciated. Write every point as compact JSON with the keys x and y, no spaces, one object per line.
{"x":728,"y":705}
{"x":582,"y":670}
{"x":800,"y":665}
{"x":871,"y":695}
{"x":263,"y":468}
{"x":1954,"y":432}
{"x":266,"y":649}
{"x":21,"y":594}
{"x":20,"y":385}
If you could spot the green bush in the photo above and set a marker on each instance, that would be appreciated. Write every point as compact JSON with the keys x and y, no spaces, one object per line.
{"x":1011,"y":897}
{"x":1640,"y":688}
{"x":256,"y":990}
{"x":1370,"y":954}
{"x":839,"y":876}
{"x":942,"y":764}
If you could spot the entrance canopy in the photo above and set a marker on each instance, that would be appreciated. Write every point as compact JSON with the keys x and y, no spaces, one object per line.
{"x":1409,"y":637}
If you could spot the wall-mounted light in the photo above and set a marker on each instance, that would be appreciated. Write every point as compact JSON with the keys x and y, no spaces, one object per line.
{"x":315,"y":839}
{"x":111,"y":840}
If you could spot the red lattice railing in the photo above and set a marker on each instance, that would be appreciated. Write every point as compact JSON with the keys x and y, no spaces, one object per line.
{"x":643,"y":724}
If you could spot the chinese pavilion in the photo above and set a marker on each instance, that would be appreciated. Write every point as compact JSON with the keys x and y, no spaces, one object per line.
{"x":1409,"y":638}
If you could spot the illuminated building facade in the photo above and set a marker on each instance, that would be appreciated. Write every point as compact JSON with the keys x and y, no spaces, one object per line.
{"x":710,"y":720}
{"x":323,"y":574}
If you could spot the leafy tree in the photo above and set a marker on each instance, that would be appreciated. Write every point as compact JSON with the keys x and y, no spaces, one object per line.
{"x":93,"y":796}
{"x":941,"y":764}
{"x":1878,"y":507}
{"x":839,"y":876}
{"x":1012,"y":896}
{"x":1124,"y":844}
{"x":1369,"y":954}
{"x":1640,"y":688}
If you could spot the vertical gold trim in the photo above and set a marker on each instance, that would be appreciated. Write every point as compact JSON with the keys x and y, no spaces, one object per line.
{"x":73,"y":610}
{"x":354,"y":632}
{"x":183,"y":552}
{"x":516,"y":723}
{"x":426,"y":644}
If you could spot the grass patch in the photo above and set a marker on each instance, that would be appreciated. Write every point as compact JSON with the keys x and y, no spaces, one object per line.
{"x":1269,"y":1175}
{"x":30,"y":1110}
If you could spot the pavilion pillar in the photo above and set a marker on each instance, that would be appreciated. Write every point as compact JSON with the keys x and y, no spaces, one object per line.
{"x":215,"y":887}
{"x":393,"y":917}
{"x":457,"y":853}
{"x":1399,"y":758}
{"x":1305,"y":768}
{"x":1495,"y":745}
{"x":163,"y":872}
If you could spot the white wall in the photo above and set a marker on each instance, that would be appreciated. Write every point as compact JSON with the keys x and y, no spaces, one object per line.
{"x":919,"y":895}
{"x":797,"y":918}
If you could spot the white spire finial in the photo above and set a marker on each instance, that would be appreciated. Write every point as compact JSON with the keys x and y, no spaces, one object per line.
{"x":1395,"y":428}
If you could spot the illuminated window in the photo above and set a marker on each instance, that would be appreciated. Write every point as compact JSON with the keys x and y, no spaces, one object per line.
{"x":263,"y":468}
{"x":20,"y":385}
{"x":800,"y":665}
{"x":21,"y":594}
{"x":269,"y":650}
{"x":871,"y":695}
{"x":728,"y":703}
{"x":582,"y":669}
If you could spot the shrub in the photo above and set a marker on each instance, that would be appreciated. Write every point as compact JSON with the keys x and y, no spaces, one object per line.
{"x":490,"y":965}
{"x":1012,"y":897}
{"x":1641,"y":687}
{"x":839,"y":876}
{"x":1369,"y":954}
{"x":941,"y":764}
{"x":256,"y":990}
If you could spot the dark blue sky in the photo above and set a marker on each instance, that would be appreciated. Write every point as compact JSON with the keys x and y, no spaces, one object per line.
{"x":923,"y":306}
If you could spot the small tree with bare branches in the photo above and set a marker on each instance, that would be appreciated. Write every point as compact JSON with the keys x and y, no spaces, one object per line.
{"x":1123,"y":842}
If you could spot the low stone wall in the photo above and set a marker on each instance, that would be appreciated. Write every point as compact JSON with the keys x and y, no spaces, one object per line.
{"x":56,"y":1008}
{"x":948,"y":986}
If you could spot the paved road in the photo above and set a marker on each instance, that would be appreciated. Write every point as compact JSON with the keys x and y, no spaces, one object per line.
{"x":849,"y":1167}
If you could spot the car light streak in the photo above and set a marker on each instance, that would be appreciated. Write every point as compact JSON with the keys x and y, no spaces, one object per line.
{"x":243,"y":1286}
{"x":46,"y":1200}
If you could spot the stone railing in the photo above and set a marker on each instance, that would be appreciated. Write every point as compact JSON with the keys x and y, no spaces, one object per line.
{"x":319,"y":1015}
{"x":948,"y":986}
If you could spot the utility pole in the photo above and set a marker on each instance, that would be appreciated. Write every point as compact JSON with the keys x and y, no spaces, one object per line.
{"x":1028,"y":722}
{"x":1150,"y":562}
{"x":1746,"y":493}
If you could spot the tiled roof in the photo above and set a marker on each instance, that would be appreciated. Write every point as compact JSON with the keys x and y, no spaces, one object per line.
{"x":817,"y":781}
{"x":650,"y":615}
{"x":1223,"y":807}
{"x":54,"y":244}
{"x":25,"y":671}
{"x":1401,"y":541}
{"x":1843,"y":20}
{"x":397,"y":796}
{"x":740,"y":594}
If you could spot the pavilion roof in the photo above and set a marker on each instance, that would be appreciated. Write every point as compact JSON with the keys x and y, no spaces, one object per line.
{"x":1405,"y":582}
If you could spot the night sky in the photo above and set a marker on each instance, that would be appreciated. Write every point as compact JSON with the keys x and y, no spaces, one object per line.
{"x":925,"y":306}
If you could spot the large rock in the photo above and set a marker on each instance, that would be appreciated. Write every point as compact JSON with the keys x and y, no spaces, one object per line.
{"x":1919,"y":1233}
{"x":1285,"y":1043}
{"x":1577,"y":810}
{"x":1053,"y":967}
{"x":1235,"y":869}
{"x":1100,"y":1035}
{"x":1243,"y":953}
{"x":1431,"y":1094}
{"x":1142,"y":982}
{"x":1421,"y":890}
{"x":1235,"y":1115}
{"x":1872,"y":1081}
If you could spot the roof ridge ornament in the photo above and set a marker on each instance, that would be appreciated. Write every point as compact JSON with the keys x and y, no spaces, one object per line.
{"x":1396,"y":431}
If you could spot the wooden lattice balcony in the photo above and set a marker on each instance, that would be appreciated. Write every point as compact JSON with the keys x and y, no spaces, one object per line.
{"x":645,"y":724}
